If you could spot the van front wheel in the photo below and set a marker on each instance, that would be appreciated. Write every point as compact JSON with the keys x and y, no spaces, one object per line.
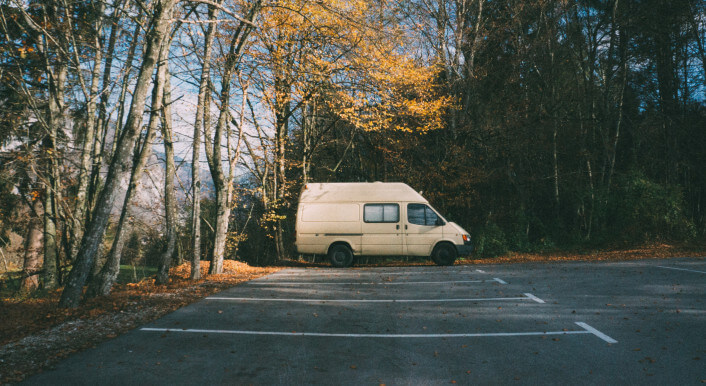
{"x":444,"y":254}
{"x":341,"y":256}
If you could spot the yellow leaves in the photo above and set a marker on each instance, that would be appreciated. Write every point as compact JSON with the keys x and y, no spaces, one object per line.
{"x":348,"y":55}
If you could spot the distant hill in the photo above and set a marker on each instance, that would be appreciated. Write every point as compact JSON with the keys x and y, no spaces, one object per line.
{"x":147,"y":205}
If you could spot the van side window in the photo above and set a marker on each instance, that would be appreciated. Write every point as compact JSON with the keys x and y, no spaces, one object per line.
{"x":381,"y":213}
{"x":420,"y":214}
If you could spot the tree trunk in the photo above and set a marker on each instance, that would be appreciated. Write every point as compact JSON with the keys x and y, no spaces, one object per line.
{"x":103,"y":119}
{"x":213,"y":153}
{"x":33,"y":249}
{"x":621,"y":102}
{"x":170,"y":169}
{"x":51,"y":247}
{"x":57,"y":120}
{"x":124,"y":87}
{"x":120,"y":165}
{"x":665,"y":69}
{"x":282,"y":112}
{"x":196,"y":154}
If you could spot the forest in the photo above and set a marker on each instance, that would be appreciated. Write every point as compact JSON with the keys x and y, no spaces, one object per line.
{"x":536,"y":125}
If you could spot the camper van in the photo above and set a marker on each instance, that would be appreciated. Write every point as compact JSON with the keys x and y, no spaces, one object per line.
{"x":344,"y":220}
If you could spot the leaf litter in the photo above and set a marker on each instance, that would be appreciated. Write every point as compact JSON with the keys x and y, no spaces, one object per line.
{"x":35,"y":333}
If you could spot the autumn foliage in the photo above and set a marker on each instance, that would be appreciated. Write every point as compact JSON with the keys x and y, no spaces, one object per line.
{"x":24,"y":316}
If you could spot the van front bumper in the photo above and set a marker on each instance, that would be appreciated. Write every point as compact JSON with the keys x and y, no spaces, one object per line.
{"x":464,"y":250}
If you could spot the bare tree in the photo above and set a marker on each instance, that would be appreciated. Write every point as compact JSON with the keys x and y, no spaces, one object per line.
{"x":196,"y":154}
{"x":120,"y":165}
{"x":222,"y":180}
{"x":103,"y":282}
{"x":170,"y":171}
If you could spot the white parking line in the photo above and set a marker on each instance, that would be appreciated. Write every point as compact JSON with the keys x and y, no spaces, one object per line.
{"x":500,"y":281}
{"x":221,"y":298}
{"x":597,"y":333}
{"x":536,"y":299}
{"x":378,"y":283}
{"x":587,"y":330}
{"x":353,"y":272}
{"x":679,"y":269}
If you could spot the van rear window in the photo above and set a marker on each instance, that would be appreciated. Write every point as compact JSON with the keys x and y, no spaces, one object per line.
{"x":381,"y":213}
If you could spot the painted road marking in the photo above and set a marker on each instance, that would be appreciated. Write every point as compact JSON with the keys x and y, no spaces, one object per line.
{"x":527,"y":297}
{"x":378,"y":283}
{"x":597,"y":333}
{"x":536,"y":299}
{"x":679,"y":269}
{"x":500,"y":281}
{"x":480,"y":270}
{"x":359,"y":273}
{"x":586,"y":330}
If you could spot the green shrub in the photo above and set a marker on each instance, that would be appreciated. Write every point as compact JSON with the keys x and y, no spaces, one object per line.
{"x":491,"y":241}
{"x":643,"y":211}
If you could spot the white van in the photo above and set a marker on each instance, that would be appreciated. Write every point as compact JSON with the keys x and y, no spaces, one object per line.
{"x":343,"y":220}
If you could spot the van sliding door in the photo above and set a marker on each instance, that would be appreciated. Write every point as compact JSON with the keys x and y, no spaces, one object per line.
{"x":381,"y":229}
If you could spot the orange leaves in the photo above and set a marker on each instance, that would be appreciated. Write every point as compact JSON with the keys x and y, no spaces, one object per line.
{"x":39,"y":314}
{"x":653,"y":251}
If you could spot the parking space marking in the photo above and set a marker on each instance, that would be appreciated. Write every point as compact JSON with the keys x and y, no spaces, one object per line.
{"x":375,"y":283}
{"x":501,"y":281}
{"x":353,"y":272}
{"x":221,"y":298}
{"x":597,"y":333}
{"x":587,"y":330}
{"x":678,"y":269}
{"x":536,"y":299}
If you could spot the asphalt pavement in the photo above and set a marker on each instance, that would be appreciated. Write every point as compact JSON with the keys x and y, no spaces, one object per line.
{"x":636,"y":322}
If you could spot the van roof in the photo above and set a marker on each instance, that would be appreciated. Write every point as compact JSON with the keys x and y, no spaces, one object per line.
{"x":360,"y":192}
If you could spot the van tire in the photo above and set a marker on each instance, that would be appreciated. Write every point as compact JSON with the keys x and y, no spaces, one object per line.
{"x":444,"y":254}
{"x":340,"y":255}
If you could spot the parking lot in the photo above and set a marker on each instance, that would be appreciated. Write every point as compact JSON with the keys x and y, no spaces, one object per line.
{"x":553,"y":323}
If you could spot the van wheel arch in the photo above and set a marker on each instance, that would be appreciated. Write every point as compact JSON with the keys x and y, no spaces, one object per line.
{"x":340,"y":254}
{"x":444,"y":253}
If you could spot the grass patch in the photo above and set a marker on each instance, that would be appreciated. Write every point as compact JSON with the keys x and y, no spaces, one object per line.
{"x":135,"y":274}
{"x":10,"y":284}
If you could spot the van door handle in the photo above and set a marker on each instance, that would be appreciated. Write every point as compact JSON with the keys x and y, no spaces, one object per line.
{"x":398,"y":226}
